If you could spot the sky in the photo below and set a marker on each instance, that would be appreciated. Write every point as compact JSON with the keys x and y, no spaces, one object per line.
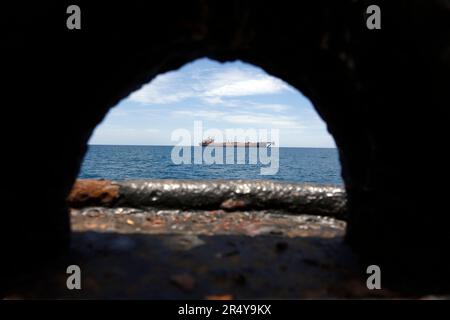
{"x":232,"y":95}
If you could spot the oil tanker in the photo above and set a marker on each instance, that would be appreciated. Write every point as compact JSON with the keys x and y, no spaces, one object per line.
{"x":210,"y":142}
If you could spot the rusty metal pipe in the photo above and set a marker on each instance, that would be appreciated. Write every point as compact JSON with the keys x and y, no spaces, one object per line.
{"x":235,"y":195}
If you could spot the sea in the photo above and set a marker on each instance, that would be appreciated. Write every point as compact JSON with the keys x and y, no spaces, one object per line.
{"x":119,"y":162}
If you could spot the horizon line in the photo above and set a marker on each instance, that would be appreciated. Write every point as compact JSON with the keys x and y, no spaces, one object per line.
{"x":166,"y":145}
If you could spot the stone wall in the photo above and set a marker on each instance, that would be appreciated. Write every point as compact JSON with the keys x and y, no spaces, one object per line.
{"x":384,"y":95}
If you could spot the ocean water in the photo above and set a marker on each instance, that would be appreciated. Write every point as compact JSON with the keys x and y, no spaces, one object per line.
{"x":315,"y":165}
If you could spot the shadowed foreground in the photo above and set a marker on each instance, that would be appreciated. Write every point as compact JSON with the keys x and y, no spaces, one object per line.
{"x":205,"y":240}
{"x":170,"y":254}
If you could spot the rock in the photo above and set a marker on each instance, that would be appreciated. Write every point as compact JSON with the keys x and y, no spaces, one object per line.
{"x":233,"y":205}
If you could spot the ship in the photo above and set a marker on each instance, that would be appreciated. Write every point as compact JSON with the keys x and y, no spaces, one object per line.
{"x":210,"y":142}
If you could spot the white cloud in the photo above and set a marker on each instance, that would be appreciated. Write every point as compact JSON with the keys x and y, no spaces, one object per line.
{"x":243,"y":118}
{"x":163,"y":89}
{"x":237,"y":83}
{"x":268,"y":121}
{"x":249,"y":105}
{"x":215,"y":100}
{"x":211,"y":86}
{"x":201,"y":114}
{"x":272,"y":107}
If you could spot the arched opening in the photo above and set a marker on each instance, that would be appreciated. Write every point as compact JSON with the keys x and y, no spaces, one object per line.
{"x":216,"y":213}
{"x":136,"y":138}
{"x":360,"y":80}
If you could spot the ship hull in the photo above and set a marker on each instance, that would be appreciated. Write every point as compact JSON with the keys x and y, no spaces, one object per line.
{"x":238,"y":144}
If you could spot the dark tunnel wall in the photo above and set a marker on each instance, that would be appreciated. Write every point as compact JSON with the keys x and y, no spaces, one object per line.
{"x":383,"y":94}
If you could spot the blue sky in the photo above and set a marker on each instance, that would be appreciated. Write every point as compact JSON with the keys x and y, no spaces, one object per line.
{"x":223,"y":96}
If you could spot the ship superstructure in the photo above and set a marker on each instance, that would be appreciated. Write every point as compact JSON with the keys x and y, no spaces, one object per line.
{"x":210,"y":142}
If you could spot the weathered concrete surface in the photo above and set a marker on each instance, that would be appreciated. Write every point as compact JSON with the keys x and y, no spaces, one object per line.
{"x":172,"y":254}
{"x":130,"y":253}
{"x":212,"y":194}
{"x":215,"y":222}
